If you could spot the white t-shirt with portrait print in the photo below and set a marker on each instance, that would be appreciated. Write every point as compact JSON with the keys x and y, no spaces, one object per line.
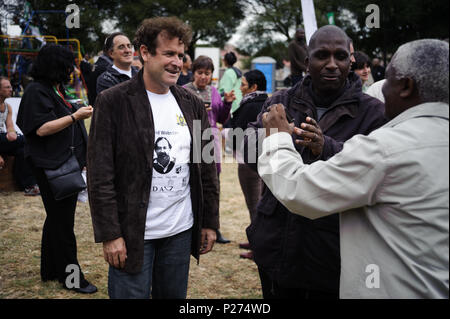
{"x":169,"y":210}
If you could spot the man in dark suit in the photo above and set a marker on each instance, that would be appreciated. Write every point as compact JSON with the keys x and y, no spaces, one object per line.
{"x":122,"y":69}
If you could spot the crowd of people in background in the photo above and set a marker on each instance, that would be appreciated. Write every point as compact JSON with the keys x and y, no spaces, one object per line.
{"x":313,"y":226}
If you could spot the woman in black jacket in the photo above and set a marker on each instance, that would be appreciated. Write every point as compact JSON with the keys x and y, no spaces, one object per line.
{"x":52,"y":126}
{"x":253,"y":88}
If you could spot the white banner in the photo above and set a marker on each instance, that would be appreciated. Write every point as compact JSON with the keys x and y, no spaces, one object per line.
{"x":309,"y":18}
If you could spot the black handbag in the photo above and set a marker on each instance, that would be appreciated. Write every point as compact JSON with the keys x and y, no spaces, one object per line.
{"x":66,"y":180}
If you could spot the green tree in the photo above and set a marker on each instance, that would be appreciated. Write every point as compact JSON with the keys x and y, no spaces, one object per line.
{"x":274,"y":21}
{"x":50,"y":17}
{"x":212,"y":21}
{"x":401,"y":21}
{"x":274,"y":16}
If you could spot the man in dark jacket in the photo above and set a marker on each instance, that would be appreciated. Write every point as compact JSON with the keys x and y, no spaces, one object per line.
{"x":253,"y":88}
{"x":121,"y":70}
{"x":103,"y":62}
{"x":297,"y":52}
{"x":100,"y":66}
{"x":150,"y":222}
{"x":298,"y":257}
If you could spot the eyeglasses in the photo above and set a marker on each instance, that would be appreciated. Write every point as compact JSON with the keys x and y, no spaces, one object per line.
{"x":125,"y":46}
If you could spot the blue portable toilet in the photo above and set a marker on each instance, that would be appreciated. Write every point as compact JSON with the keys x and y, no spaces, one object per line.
{"x":267,"y":66}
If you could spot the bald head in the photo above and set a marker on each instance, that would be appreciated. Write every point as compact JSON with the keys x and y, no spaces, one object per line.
{"x":326,"y":33}
{"x":328,"y":60}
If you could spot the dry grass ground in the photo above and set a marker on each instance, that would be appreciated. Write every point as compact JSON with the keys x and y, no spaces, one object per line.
{"x":221,"y":273}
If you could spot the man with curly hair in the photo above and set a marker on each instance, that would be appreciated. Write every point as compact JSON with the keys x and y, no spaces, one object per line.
{"x":151,"y":220}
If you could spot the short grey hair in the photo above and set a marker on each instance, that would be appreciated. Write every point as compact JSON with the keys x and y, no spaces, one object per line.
{"x":426,"y":62}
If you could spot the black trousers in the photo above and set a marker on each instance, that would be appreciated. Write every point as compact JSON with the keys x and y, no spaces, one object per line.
{"x":251,"y":185}
{"x":271,"y":290}
{"x":22,"y":170}
{"x":59,"y":246}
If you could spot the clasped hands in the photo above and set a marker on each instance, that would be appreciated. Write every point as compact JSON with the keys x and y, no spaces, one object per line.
{"x":310,"y":135}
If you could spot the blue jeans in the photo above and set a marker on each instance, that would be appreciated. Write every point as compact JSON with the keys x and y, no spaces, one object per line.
{"x":164,"y":274}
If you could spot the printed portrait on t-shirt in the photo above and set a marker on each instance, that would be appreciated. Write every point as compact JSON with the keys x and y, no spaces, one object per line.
{"x":163,"y":162}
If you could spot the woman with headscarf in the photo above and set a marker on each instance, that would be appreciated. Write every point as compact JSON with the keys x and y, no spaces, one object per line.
{"x":253,"y":88}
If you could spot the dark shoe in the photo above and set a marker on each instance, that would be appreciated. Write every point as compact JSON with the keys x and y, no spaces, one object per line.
{"x":87,"y":289}
{"x":244,"y":245}
{"x":220,"y":239}
{"x":32,"y":191}
{"x":247,"y":255}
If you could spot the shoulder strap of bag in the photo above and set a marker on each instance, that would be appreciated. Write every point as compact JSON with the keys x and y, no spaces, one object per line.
{"x":72,"y":147}
{"x":58,"y":92}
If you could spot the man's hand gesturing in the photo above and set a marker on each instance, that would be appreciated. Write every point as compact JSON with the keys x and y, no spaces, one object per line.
{"x":275,"y":121}
{"x":312,"y":136}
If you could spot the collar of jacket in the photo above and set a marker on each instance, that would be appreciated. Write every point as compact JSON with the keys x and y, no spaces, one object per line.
{"x":103,"y":60}
{"x":113,"y":71}
{"x":254,"y":96}
{"x":346,"y":104}
{"x":435,"y":109}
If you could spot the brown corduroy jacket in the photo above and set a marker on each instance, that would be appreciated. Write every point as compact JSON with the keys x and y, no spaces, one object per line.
{"x":120,"y":166}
